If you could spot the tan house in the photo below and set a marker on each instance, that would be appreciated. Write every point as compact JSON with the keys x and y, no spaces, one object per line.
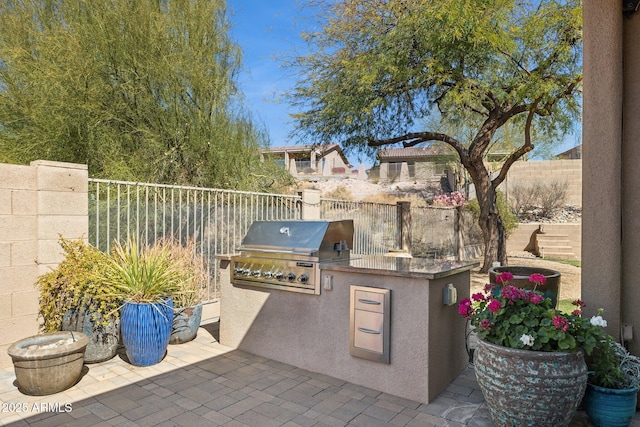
{"x":312,"y":161}
{"x":435,"y":164}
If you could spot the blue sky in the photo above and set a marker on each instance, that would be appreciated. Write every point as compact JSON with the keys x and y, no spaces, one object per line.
{"x":267,"y":30}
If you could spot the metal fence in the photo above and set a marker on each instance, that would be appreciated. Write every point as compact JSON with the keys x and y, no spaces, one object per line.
{"x":215,"y":219}
{"x":376,"y":225}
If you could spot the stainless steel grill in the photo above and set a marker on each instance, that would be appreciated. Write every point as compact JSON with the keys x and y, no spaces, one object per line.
{"x":287,"y":255}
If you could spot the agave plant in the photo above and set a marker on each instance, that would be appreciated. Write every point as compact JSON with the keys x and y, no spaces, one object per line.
{"x":142,"y":275}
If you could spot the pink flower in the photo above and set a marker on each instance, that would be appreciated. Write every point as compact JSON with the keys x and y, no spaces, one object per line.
{"x":561,"y":323}
{"x":537,"y":278}
{"x":512,"y":293}
{"x":488,"y":288}
{"x":495,"y":306}
{"x":535,"y":298}
{"x":464,"y":308}
{"x":577,"y":312}
{"x":478,"y":297}
{"x":504,"y":277}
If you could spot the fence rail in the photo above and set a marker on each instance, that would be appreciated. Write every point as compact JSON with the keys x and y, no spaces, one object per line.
{"x":216,"y":219}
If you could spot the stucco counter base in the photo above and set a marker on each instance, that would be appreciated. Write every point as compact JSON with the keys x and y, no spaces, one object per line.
{"x":427,"y":338}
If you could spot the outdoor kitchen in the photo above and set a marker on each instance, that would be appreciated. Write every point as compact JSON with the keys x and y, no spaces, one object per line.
{"x":296,"y":294}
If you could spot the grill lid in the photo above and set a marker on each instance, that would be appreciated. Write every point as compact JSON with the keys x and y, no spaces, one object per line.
{"x":299,"y":236}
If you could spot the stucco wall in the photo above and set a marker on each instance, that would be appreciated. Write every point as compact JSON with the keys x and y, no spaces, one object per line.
{"x":37,"y":203}
{"x":604,"y":90}
{"x":312,"y":331}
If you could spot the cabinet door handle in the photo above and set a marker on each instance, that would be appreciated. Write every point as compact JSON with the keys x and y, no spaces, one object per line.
{"x":368,"y":301}
{"x":368,"y":331}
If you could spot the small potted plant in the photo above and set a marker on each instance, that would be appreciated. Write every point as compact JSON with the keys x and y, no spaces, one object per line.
{"x":145,"y":278}
{"x":72,"y":298}
{"x":521,"y":336}
{"x":614,"y":381}
{"x":187,"y":298}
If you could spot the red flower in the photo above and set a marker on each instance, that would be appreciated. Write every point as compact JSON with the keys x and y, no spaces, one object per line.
{"x":561,"y":323}
{"x":504,"y":277}
{"x":537,"y":278}
{"x":464,"y":308}
{"x":478,"y":297}
{"x":579,"y":303}
{"x":495,"y":306}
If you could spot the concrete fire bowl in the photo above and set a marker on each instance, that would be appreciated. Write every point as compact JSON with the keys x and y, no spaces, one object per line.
{"x":48,"y":363}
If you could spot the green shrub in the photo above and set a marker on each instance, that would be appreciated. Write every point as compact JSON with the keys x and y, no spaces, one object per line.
{"x":509,"y":219}
{"x":74,"y":283}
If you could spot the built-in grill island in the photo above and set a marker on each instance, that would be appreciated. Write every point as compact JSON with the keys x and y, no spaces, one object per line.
{"x":287,"y":255}
{"x":296,"y":294}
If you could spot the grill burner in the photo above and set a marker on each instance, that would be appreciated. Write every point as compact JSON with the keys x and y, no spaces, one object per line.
{"x":287,"y":254}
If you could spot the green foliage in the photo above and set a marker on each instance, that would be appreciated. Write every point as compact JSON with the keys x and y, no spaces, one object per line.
{"x":142,"y":275}
{"x":379,"y":69}
{"x":140,"y":91}
{"x":74,"y":284}
{"x":192,"y":275}
{"x":509,"y":219}
{"x":525,"y":319}
{"x":612,"y":366}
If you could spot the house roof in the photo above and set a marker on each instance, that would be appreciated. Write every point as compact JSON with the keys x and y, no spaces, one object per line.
{"x":322,"y":150}
{"x":414,"y":153}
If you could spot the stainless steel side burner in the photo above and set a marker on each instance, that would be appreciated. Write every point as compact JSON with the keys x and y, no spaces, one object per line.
{"x":287,"y":255}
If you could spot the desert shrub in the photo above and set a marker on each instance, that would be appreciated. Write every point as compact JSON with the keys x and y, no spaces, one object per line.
{"x":538,"y":200}
{"x":339,"y":193}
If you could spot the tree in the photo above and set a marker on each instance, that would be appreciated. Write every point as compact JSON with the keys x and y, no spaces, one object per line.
{"x":378,"y":67}
{"x":140,"y":90}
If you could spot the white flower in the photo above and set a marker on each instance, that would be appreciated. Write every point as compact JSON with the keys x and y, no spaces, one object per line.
{"x":527,"y":339}
{"x":598,"y":321}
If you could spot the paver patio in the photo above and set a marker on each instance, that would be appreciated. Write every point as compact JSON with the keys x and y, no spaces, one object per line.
{"x":205,"y":383}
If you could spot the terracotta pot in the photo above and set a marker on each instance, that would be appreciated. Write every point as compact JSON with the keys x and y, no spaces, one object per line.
{"x":530,"y":388}
{"x":550,"y":289}
{"x":48,"y":363}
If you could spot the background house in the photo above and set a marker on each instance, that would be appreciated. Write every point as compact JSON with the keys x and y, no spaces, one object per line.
{"x":312,"y":161}
{"x":435,"y":164}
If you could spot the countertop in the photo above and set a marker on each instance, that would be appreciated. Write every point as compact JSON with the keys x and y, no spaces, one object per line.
{"x":426,"y":268}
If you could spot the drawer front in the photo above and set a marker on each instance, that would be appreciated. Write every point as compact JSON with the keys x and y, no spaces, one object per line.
{"x":369,"y":331}
{"x":369,"y":301}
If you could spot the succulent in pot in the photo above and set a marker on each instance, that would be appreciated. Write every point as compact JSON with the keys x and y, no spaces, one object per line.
{"x":145,"y":278}
{"x":187,"y":298}
{"x":74,"y":298}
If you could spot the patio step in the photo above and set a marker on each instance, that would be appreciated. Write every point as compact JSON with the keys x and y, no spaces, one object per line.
{"x":554,"y":246}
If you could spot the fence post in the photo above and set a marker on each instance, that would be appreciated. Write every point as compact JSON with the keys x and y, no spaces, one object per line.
{"x":310,"y":204}
{"x":457,"y":230}
{"x":404,"y":214}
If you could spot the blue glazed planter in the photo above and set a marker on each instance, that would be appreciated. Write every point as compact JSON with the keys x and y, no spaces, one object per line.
{"x":145,"y":330}
{"x":609,"y":407}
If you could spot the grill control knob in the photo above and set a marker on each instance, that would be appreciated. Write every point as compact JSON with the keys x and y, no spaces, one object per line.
{"x":238,"y":271}
{"x":256,"y":273}
{"x":279,"y":276}
{"x":291,"y":277}
{"x":267,"y":274}
{"x":304,"y":278}
{"x":246,"y":271}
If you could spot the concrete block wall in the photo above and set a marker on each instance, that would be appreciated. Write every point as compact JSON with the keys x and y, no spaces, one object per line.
{"x":38,"y":203}
{"x":567,"y":172}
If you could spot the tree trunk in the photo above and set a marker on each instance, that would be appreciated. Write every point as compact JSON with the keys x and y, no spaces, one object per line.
{"x":493,"y":230}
